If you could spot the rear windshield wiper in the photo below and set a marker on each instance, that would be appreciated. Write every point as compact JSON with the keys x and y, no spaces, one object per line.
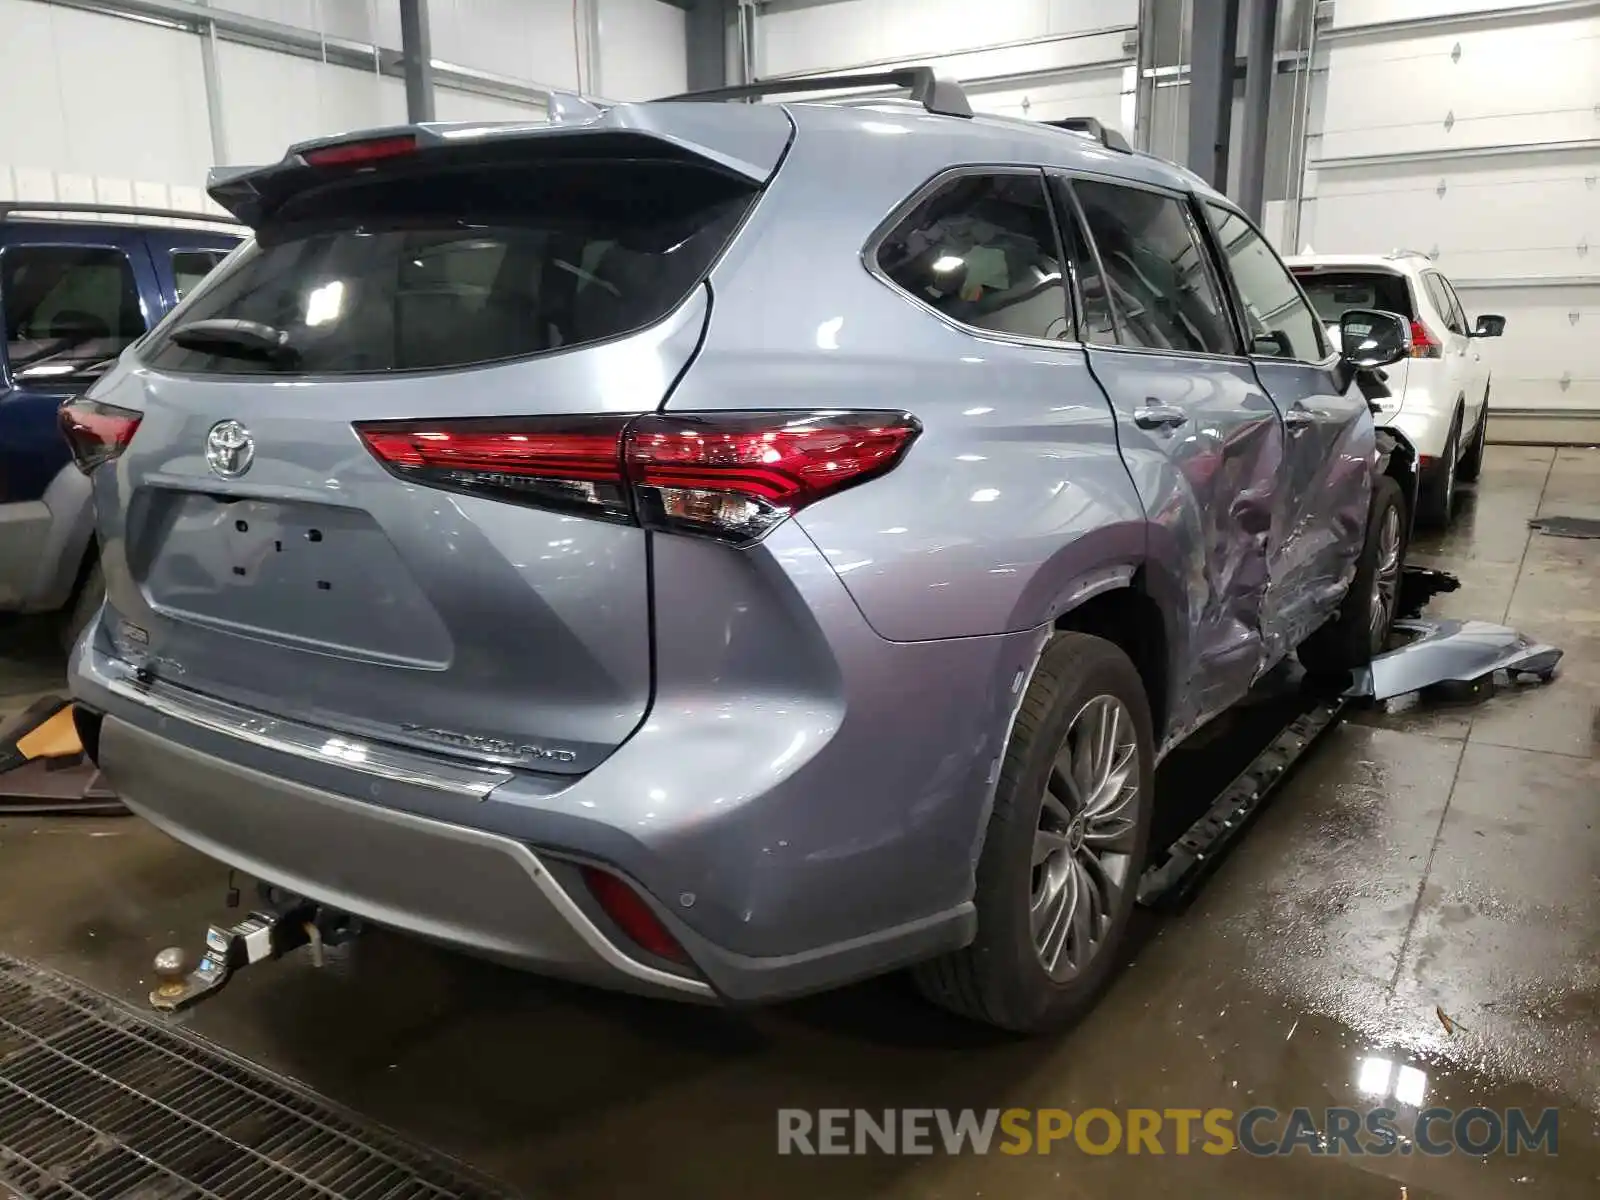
{"x":237,"y":339}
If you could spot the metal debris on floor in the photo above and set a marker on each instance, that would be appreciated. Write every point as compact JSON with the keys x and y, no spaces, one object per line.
{"x":1454,"y":660}
{"x":96,"y":1101}
{"x":1436,"y":658}
{"x":1567,"y":527}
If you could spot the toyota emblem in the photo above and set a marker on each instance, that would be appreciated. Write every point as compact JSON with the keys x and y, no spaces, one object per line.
{"x":230,"y":449}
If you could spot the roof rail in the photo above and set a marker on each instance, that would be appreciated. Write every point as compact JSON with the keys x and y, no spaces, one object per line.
{"x":9,"y":207}
{"x":1109,"y":138}
{"x":941,"y":96}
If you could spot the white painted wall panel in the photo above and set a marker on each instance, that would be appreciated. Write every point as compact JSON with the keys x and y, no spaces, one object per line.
{"x":1546,"y":359}
{"x":1097,"y":94}
{"x":1512,"y":216}
{"x":526,"y":39}
{"x":450,"y":105}
{"x":1529,"y":83}
{"x":1513,"y":84}
{"x":852,"y":32}
{"x":78,"y":90}
{"x":642,"y":52}
{"x":272,"y":100}
{"x":360,"y":20}
{"x":1367,"y":12}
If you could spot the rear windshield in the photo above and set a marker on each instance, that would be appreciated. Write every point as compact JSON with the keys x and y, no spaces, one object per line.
{"x":1334,"y":293}
{"x":460,"y":267}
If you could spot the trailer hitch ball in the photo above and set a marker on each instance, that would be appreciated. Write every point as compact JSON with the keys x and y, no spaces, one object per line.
{"x":172,"y":971}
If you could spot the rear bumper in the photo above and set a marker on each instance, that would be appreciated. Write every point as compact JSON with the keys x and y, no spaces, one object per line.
{"x":1421,"y":421}
{"x":477,"y":891}
{"x":796,"y":823}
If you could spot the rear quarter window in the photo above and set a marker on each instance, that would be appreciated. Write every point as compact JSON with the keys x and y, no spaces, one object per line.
{"x":981,"y":250}
{"x":460,"y":267}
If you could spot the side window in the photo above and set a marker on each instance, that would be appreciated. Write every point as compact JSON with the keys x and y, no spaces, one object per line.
{"x":70,"y":310}
{"x":1278,"y":321}
{"x":1440,"y":295}
{"x":1458,"y":313}
{"x":982,"y":251}
{"x":1157,"y":274}
{"x":189,"y":267}
{"x":1097,"y":324}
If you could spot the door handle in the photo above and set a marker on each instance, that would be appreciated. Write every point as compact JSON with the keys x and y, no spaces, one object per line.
{"x":1297,"y":419}
{"x":1159,"y":416}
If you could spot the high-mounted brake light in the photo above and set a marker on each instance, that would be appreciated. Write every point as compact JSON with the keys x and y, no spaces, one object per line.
{"x":96,"y":432}
{"x":731,"y":476}
{"x":1423,"y":343}
{"x":351,"y":153}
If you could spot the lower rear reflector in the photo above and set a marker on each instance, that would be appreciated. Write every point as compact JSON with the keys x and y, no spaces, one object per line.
{"x":632,"y":915}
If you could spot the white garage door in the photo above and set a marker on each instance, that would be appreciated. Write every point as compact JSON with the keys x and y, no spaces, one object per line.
{"x":1042,"y":59}
{"x":1473,"y":136}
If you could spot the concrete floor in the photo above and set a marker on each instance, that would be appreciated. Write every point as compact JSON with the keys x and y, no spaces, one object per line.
{"x":1435,"y":860}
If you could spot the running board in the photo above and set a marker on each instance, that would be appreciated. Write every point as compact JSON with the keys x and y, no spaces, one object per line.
{"x":1173,"y":882}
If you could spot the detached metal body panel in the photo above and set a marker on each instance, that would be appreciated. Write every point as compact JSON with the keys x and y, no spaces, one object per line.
{"x":1448,"y":651}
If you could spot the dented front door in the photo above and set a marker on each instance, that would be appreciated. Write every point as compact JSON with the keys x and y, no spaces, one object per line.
{"x":1319,"y":527}
{"x":1201,"y":438}
{"x":1209,"y":482}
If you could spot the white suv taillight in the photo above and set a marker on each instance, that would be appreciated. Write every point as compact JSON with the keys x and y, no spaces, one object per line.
{"x":731,"y":476}
{"x":96,"y":432}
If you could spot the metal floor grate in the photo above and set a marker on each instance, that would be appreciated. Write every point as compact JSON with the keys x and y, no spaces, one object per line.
{"x":97,"y":1101}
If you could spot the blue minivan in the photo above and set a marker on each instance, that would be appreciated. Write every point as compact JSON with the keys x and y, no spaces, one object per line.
{"x":78,"y":285}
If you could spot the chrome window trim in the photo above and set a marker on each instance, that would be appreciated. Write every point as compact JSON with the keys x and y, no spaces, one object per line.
{"x":869,"y":256}
{"x":377,"y":759}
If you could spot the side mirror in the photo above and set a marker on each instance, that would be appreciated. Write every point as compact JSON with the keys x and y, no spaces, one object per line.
{"x":1490,"y":325}
{"x":1369,"y":339}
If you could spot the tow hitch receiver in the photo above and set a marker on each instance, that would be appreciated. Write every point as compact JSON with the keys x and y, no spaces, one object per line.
{"x":230,"y":948}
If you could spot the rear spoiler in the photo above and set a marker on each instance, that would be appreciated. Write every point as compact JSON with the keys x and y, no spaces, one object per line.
{"x":748,"y":142}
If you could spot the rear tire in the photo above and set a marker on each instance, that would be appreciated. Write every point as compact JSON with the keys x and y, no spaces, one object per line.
{"x":1436,"y":498}
{"x":1051,"y":923}
{"x":1472,"y":460}
{"x":1362,"y":626}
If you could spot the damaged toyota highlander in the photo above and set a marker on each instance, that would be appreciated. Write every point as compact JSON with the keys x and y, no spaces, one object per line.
{"x":720,"y":550}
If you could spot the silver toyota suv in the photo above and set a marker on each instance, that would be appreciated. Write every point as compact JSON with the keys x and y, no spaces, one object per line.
{"x":724,"y":550}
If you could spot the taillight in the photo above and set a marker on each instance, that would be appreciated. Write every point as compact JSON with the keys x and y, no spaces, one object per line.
{"x":632,"y":915}
{"x":1423,"y":343}
{"x":96,"y":432}
{"x":568,"y":463}
{"x":353,"y":153}
{"x":736,"y":475}
{"x":731,"y":476}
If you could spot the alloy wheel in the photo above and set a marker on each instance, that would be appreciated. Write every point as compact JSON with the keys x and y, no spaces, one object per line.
{"x":1083,"y":844}
{"x":1386,"y":579}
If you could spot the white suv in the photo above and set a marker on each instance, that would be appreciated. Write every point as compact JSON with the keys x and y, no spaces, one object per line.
{"x":1439,"y":397}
